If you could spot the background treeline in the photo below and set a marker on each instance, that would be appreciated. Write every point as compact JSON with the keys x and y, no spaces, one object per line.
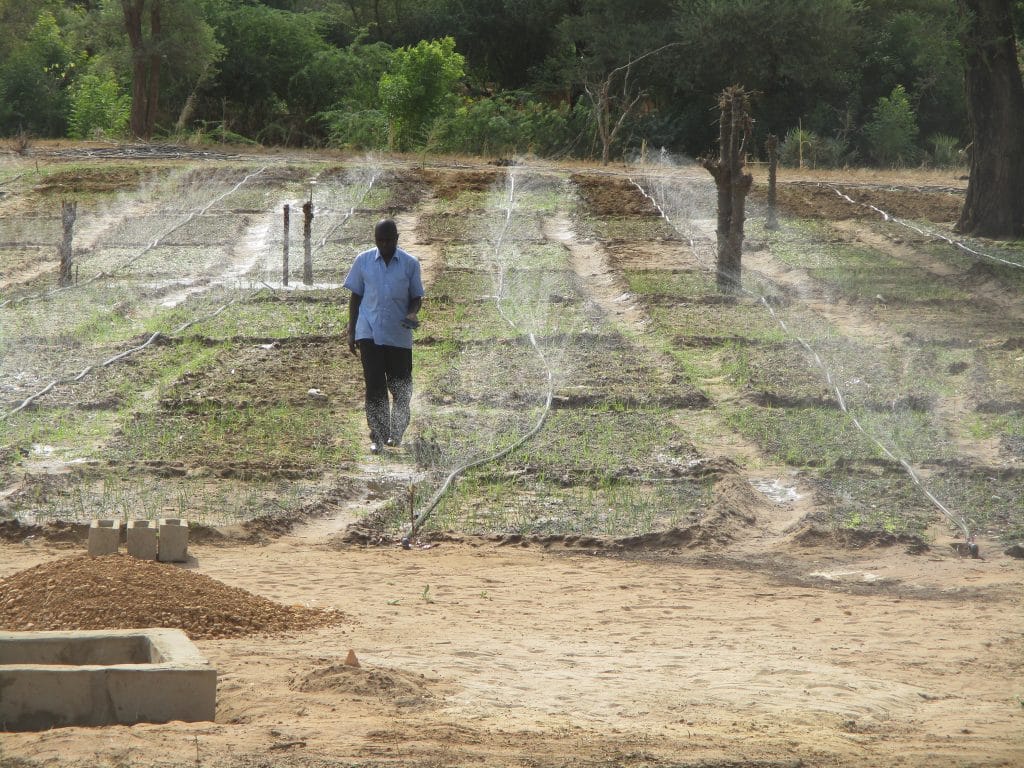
{"x":840,"y":81}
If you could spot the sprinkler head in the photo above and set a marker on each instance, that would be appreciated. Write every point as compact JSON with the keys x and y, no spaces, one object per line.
{"x":973,"y":549}
{"x":406,"y":544}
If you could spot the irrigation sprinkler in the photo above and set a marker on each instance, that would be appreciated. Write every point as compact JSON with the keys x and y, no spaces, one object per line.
{"x":957,"y":520}
{"x":421,"y":518}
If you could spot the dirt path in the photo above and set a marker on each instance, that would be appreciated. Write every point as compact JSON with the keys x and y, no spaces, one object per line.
{"x":508,"y":657}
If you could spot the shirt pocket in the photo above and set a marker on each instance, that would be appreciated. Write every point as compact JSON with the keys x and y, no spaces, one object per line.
{"x":398,"y":286}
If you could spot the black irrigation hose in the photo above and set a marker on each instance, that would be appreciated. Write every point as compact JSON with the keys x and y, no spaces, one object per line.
{"x":958,"y":520}
{"x":158,"y":334}
{"x":421,"y":518}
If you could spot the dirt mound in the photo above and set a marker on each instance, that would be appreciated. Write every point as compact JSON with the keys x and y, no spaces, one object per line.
{"x":812,"y":536}
{"x":821,"y":201}
{"x":613,"y":196}
{"x":121,"y":592}
{"x":403,"y":688}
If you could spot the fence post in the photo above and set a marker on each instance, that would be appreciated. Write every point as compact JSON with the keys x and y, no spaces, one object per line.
{"x":771,"y":220}
{"x":287,"y":235}
{"x":307,"y":229}
{"x":68,"y":213}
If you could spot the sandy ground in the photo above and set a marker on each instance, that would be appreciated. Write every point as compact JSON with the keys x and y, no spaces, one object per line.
{"x":478,"y":654}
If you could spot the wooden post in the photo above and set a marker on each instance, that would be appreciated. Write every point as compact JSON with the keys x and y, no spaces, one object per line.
{"x":734,"y":128}
{"x":771,"y":220}
{"x":307,"y":230}
{"x":287,"y":235}
{"x":68,"y":213}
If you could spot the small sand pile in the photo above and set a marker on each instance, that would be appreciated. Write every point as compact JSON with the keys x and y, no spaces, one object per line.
{"x":122,"y":592}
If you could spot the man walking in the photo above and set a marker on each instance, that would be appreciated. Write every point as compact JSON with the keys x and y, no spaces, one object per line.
{"x":387,"y":293}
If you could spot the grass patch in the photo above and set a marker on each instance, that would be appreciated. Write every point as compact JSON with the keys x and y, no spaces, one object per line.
{"x":677,"y":284}
{"x":536,"y":507}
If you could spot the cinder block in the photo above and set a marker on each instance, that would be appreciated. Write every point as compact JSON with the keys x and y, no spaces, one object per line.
{"x":104,"y":537}
{"x":142,"y":539}
{"x":173,"y":543}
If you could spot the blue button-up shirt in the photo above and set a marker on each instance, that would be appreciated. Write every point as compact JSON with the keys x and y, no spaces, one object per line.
{"x":387,"y":290}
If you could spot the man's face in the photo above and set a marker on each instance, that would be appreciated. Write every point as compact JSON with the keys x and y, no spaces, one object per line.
{"x":387,"y":242}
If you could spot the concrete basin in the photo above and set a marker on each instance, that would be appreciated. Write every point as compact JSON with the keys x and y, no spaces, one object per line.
{"x":105,"y":677}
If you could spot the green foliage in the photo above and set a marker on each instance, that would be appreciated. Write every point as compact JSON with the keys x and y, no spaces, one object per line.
{"x":511,"y":123}
{"x":266,"y":52}
{"x":945,"y":151}
{"x":98,"y":106}
{"x":34,"y":81}
{"x":356,"y":129}
{"x":418,"y":89}
{"x":799,"y":147}
{"x":892,"y":131}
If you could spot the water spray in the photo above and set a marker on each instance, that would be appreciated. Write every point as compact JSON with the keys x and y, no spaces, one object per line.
{"x":155,"y":242}
{"x":184,"y":326}
{"x":421,"y":518}
{"x":960,"y":246}
{"x":958,"y":520}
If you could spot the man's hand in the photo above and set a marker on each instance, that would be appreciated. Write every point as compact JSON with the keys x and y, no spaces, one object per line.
{"x":352,"y":341}
{"x":411,"y":321}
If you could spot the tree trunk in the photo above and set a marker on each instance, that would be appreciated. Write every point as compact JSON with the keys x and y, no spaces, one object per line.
{"x":145,"y":65}
{"x":734,"y":127}
{"x":994,"y":206}
{"x":155,"y":53}
{"x":132,"y":10}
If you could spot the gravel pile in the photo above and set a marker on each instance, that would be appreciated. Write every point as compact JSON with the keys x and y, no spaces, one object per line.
{"x":122,"y":592}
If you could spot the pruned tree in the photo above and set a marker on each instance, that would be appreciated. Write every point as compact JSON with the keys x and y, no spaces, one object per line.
{"x":728,"y":169}
{"x":613,"y":99}
{"x":146,"y":56}
{"x":994,"y":205}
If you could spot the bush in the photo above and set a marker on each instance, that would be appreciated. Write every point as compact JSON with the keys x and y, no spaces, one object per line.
{"x":510,"y":123}
{"x":98,"y":107}
{"x":892,"y":132}
{"x":945,"y":151}
{"x":798,"y":148}
{"x":356,"y":128}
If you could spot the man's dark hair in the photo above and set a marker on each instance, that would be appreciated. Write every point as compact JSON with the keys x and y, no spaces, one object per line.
{"x":385,"y":227}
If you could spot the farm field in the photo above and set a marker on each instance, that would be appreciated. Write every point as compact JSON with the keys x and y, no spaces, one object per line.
{"x":725,"y":530}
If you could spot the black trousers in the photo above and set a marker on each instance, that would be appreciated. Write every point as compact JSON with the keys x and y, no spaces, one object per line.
{"x":386,"y":369}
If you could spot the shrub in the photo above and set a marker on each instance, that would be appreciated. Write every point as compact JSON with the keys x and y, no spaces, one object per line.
{"x":945,"y":151}
{"x":892,"y":132}
{"x":511,"y":123}
{"x":98,"y":106}
{"x":799,"y":148}
{"x":356,"y":128}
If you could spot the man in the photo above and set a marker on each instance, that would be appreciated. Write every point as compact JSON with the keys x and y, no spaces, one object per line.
{"x":387,"y":293}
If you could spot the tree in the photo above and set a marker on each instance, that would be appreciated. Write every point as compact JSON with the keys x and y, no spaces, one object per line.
{"x":34,"y":81}
{"x":733,"y":182}
{"x":612,"y":104}
{"x":994,"y":205}
{"x":801,"y":58}
{"x":269,"y":52}
{"x":419,"y":88}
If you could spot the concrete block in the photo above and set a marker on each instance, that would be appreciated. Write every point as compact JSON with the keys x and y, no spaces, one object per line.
{"x":104,"y":537}
{"x":173,"y":543}
{"x":106,"y":677}
{"x":141,"y":537}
